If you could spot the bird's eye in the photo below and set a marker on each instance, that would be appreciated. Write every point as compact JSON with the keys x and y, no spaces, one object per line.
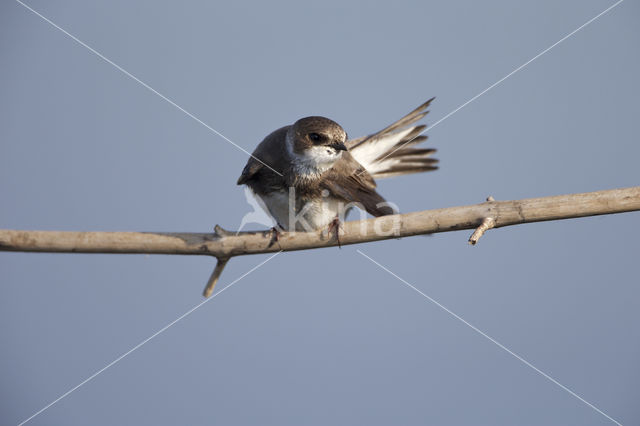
{"x":315,"y":137}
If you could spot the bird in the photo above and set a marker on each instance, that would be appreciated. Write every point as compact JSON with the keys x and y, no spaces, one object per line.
{"x":309,"y":175}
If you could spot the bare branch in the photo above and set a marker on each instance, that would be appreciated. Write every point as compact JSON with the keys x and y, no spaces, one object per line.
{"x":225,"y":244}
{"x":228,"y":244}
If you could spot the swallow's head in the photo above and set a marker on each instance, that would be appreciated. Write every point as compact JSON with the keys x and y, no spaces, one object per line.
{"x":316,"y":141}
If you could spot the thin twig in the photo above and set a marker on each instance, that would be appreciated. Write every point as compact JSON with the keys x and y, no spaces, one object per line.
{"x":487,"y":223}
{"x":215,"y":275}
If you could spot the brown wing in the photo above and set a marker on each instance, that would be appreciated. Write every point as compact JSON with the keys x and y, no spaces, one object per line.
{"x":349,"y":181}
{"x":265,"y":168}
{"x":252,"y":167}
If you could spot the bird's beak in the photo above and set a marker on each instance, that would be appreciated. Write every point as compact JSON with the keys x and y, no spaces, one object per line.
{"x":339,"y":146}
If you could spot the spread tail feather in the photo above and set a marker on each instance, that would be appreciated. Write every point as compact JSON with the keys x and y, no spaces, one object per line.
{"x":391,"y":152}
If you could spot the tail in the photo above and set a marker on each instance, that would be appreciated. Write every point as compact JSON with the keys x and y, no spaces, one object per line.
{"x":391,"y":152}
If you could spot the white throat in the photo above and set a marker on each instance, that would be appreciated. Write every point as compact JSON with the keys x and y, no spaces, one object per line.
{"x":314,"y":161}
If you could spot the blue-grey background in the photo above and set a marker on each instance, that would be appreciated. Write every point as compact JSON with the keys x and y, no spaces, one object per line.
{"x":325,"y":336}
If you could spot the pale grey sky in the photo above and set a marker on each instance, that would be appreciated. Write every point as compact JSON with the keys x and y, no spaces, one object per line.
{"x":325,"y":336}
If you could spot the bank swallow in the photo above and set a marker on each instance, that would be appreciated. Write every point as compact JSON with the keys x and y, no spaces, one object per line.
{"x":309,"y":175}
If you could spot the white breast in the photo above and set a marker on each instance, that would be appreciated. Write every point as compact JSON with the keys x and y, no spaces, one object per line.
{"x":307,"y":217}
{"x":277,"y":204}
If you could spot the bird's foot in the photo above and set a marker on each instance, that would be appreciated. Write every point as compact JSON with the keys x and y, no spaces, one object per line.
{"x":275,"y":236}
{"x":334,"y":227}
